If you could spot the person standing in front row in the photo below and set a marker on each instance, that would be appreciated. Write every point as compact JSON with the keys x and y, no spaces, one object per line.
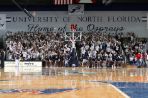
{"x":17,"y":63}
{"x":2,"y":58}
{"x":146,"y":58}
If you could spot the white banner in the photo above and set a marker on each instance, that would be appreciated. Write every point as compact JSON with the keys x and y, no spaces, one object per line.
{"x":147,"y":20}
{"x":91,"y":21}
{"x":2,"y":21}
{"x":24,"y":66}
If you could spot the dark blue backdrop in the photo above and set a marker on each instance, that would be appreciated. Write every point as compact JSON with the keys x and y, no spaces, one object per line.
{"x":88,"y":7}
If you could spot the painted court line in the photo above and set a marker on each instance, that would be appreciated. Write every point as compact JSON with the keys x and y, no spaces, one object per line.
{"x":8,"y":84}
{"x":122,"y":93}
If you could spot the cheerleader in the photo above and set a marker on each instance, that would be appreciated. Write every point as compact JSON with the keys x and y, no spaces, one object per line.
{"x":94,"y":52}
{"x":98,"y":56}
{"x":115,"y":61}
{"x":90,"y":58}
{"x":85,"y":59}
{"x":109,"y":59}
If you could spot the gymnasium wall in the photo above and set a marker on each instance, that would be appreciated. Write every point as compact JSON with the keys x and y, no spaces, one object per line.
{"x":90,"y":21}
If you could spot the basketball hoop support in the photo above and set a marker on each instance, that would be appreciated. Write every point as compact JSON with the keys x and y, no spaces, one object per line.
{"x":73,"y":61}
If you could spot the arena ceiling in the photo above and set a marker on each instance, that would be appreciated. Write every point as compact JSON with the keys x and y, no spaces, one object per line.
{"x":48,"y":2}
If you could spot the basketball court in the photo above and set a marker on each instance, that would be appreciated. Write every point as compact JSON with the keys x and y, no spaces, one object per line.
{"x":75,"y":83}
{"x":73,"y":49}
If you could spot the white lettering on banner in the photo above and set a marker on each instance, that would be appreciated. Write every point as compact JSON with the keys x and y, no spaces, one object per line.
{"x":26,"y":66}
{"x":2,"y":21}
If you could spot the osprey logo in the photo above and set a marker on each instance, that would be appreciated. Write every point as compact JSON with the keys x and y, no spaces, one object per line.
{"x":76,"y":9}
{"x":106,"y":2}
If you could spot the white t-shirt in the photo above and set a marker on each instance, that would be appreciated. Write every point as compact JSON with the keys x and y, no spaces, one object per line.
{"x":11,"y":48}
{"x":90,"y":54}
{"x":92,"y":47}
{"x":10,"y":57}
{"x":146,"y":56}
{"x":117,"y":48}
{"x":24,"y":54}
{"x":97,"y":48}
{"x":87,"y":47}
{"x":131,"y":58}
{"x":94,"y":53}
{"x":108,"y":49}
{"x":106,"y":55}
{"x":108,"y":44}
{"x":83,"y":51}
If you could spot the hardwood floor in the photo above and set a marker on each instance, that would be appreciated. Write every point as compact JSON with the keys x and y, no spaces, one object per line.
{"x":69,"y":83}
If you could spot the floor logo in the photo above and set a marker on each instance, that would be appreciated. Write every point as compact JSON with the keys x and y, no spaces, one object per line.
{"x":45,"y":91}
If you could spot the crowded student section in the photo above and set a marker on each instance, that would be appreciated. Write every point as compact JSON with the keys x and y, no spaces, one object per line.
{"x":96,"y":50}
